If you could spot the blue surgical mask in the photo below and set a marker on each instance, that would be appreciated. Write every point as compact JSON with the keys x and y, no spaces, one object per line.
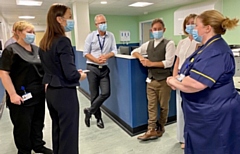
{"x":102,"y":27}
{"x":196,"y":37}
{"x":189,"y":29}
{"x":70,"y":25}
{"x":157,"y":34}
{"x":30,"y":37}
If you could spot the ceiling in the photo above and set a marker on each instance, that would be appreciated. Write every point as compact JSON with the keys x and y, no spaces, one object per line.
{"x":10,"y":11}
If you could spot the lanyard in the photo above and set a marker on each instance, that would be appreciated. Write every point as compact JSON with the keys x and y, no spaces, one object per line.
{"x":101,"y":45}
{"x":187,"y":67}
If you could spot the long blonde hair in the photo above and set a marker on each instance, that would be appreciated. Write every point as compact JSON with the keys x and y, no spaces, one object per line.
{"x":217,"y":21}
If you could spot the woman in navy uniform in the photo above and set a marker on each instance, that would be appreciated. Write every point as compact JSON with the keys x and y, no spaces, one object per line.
{"x":211,"y":104}
{"x":62,"y":77}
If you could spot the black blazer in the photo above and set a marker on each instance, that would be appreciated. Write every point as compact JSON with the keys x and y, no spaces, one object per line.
{"x":59,"y":64}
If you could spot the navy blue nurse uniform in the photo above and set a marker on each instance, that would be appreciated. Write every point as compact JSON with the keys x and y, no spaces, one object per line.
{"x":212,"y":116}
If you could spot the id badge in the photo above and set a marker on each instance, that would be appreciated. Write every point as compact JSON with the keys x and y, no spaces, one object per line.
{"x":148,"y":80}
{"x":27,"y":96}
{"x":181,"y":77}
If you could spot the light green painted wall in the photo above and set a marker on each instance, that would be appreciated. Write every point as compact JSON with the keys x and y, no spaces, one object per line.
{"x":131,"y":23}
{"x":168,"y":18}
{"x":231,"y":10}
{"x":118,"y":23}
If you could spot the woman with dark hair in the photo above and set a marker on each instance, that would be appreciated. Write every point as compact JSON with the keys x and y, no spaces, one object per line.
{"x":61,"y":78}
{"x":211,"y":104}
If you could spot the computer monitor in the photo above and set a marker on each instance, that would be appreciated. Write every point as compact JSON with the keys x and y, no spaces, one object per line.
{"x":124,"y":50}
{"x":133,"y":47}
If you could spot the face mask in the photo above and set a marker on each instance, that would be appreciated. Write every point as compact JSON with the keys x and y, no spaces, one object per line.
{"x":189,"y":29}
{"x":157,"y":34}
{"x":70,"y":25}
{"x":196,"y":37}
{"x":102,"y":27}
{"x":29,"y":38}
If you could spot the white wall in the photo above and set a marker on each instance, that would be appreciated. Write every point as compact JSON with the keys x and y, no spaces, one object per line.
{"x":5,"y":30}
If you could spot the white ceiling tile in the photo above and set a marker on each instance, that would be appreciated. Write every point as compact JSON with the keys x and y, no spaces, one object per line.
{"x":10,"y":11}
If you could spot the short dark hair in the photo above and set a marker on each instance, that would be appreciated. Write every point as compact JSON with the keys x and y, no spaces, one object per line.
{"x":158,"y":21}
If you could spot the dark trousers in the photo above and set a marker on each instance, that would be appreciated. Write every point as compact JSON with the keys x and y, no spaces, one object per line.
{"x":28,"y":124}
{"x":98,"y":78}
{"x":64,"y":110}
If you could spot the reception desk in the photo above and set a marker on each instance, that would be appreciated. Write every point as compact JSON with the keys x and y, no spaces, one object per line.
{"x":127,"y":105}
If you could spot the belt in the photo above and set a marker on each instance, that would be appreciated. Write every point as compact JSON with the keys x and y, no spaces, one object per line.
{"x":98,"y":66}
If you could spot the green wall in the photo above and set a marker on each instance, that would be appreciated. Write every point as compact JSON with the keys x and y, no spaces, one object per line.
{"x":231,"y":10}
{"x":168,"y":18}
{"x":131,"y":23}
{"x":118,"y":23}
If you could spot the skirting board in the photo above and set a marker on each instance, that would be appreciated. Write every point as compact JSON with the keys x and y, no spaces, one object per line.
{"x":121,"y":123}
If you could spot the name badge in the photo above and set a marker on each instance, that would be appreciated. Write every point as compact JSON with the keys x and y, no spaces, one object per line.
{"x":181,"y":77}
{"x":27,"y":96}
{"x":148,"y":80}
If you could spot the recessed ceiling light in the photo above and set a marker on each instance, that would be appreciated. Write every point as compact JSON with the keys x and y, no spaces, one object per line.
{"x":103,"y":2}
{"x":140,"y":4}
{"x":26,"y":17}
{"x":29,"y":2}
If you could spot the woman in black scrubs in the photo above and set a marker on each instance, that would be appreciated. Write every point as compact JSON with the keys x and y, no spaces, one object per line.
{"x":21,"y":74}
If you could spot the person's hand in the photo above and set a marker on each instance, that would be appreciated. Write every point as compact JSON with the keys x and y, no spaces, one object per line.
{"x":169,"y":82}
{"x":46,"y":85}
{"x":83,"y":75}
{"x":146,"y":62}
{"x":16,"y":99}
{"x":102,"y":59}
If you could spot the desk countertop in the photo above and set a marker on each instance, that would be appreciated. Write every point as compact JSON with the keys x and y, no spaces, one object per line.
{"x":237,"y":82}
{"x":127,"y":56}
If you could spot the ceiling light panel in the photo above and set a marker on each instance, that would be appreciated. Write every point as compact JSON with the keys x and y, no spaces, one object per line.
{"x":26,"y":17}
{"x":140,"y":4}
{"x":29,"y":3}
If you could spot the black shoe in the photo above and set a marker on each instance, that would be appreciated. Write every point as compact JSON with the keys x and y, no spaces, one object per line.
{"x":100,"y":123}
{"x":43,"y":150}
{"x":87,"y":117}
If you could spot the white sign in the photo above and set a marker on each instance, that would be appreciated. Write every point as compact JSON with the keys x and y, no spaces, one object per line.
{"x":125,"y":36}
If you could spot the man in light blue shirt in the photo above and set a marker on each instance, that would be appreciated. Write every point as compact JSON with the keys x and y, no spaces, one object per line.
{"x":100,"y":45}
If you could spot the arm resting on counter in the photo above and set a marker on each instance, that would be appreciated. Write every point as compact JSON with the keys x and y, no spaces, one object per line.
{"x":137,"y":55}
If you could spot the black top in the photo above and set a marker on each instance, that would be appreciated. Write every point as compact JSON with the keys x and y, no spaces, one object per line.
{"x":59,"y":64}
{"x":24,"y":69}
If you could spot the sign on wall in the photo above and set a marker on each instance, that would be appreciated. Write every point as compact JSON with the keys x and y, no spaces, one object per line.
{"x":125,"y":36}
